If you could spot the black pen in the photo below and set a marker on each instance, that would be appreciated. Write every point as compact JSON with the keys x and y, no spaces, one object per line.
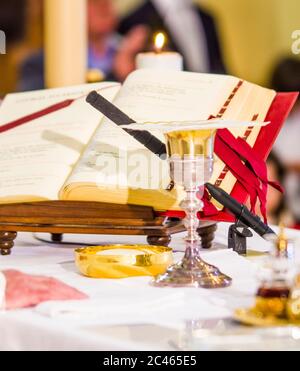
{"x":240,"y":211}
{"x":120,"y":118}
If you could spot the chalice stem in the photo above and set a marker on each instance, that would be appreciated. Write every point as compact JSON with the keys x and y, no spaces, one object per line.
{"x":192,"y":205}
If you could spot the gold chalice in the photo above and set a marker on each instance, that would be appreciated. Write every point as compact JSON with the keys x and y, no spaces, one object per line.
{"x":191,"y":162}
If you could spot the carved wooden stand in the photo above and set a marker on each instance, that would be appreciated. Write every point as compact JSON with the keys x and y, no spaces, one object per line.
{"x":59,"y":218}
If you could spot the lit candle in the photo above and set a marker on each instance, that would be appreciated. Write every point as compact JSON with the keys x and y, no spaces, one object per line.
{"x":160,"y":59}
{"x":65,"y":42}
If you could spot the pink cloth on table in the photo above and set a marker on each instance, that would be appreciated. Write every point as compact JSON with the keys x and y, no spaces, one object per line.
{"x":25,"y":291}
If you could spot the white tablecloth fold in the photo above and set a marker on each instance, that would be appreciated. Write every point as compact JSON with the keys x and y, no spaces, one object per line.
{"x":111,"y":306}
{"x":135,"y":301}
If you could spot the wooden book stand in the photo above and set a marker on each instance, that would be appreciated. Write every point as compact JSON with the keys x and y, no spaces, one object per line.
{"x":60,"y":217}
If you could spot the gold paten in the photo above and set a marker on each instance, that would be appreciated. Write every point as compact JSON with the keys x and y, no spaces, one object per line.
{"x":152,"y":261}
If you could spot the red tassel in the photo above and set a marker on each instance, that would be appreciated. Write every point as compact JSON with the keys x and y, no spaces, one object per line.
{"x":238,"y":155}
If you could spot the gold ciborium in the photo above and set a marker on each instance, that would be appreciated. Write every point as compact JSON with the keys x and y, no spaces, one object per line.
{"x":191,"y":160}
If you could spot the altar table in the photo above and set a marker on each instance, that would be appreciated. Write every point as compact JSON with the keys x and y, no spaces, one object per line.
{"x":126,"y":315}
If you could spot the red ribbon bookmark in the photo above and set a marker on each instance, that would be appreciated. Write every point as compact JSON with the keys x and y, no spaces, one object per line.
{"x":46,"y":111}
{"x":33,"y":116}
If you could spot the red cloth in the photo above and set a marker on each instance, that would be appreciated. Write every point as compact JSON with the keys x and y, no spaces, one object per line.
{"x":249,"y":170}
{"x":279,"y":111}
{"x":25,"y":291}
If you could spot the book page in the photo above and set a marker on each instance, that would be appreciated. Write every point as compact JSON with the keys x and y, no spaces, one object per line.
{"x":37,"y":157}
{"x":116,"y":161}
{"x":251,"y":103}
{"x":150,"y":95}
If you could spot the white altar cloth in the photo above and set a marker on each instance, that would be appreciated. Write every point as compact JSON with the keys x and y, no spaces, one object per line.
{"x":121,"y":314}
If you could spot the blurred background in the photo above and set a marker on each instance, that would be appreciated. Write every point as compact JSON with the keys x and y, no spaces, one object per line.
{"x":254,"y":35}
{"x":251,"y":39}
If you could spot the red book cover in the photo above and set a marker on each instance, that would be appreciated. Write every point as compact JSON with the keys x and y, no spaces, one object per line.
{"x":277,"y":115}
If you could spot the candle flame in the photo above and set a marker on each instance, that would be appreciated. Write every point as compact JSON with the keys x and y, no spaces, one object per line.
{"x":159,"y":41}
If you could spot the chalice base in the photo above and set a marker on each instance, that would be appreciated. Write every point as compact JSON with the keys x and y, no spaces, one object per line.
{"x":193,"y":273}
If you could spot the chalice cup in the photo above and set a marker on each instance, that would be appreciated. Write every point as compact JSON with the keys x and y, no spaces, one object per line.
{"x":191,"y":160}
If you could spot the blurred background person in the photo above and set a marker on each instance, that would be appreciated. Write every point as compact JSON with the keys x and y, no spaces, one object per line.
{"x":108,"y":51}
{"x":109,"y":54}
{"x":191,"y":31}
{"x":286,"y":78}
{"x":103,"y":38}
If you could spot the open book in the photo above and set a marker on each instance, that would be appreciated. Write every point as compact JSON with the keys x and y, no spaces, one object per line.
{"x":75,"y":154}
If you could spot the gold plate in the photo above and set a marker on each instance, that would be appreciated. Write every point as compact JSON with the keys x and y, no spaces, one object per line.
{"x":250,"y":317}
{"x":151,"y":261}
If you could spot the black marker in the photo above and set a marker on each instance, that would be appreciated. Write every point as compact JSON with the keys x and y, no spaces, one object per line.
{"x":240,"y":211}
{"x":120,"y":118}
